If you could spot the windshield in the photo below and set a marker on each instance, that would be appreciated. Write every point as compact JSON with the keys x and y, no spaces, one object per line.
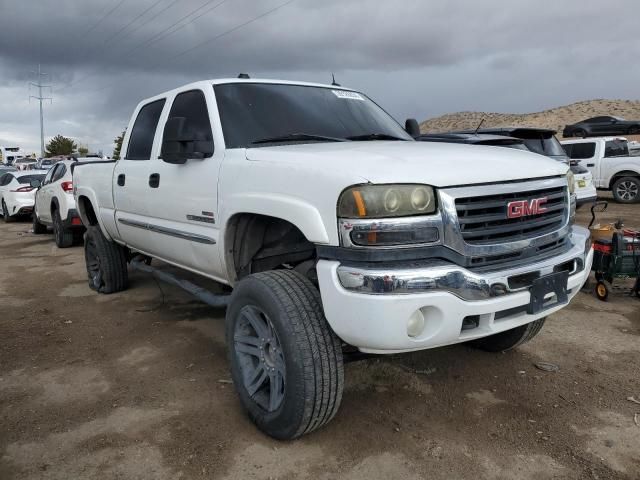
{"x":251,"y":112}
{"x":544,"y":144}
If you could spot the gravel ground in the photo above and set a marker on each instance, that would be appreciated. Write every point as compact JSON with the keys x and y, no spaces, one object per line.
{"x":136,"y":386}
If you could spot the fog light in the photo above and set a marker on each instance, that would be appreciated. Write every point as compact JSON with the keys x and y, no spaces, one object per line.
{"x":498,"y":289}
{"x":415,"y":325}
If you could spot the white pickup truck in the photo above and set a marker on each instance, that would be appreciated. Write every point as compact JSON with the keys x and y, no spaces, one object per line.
{"x":610,"y":163}
{"x":338,"y":233}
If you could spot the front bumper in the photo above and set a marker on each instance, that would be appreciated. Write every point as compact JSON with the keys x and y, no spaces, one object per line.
{"x":371,"y":307}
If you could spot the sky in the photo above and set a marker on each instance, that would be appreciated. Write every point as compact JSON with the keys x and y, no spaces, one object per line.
{"x":416,"y":58}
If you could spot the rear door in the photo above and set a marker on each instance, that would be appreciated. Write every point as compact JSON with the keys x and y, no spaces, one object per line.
{"x":131,"y":177}
{"x":182,"y":198}
{"x":43,"y":196}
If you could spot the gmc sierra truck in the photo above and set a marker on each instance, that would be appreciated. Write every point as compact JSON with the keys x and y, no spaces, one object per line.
{"x":337,"y":232}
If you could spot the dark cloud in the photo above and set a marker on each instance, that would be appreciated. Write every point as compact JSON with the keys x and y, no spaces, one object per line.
{"x":417,"y":57}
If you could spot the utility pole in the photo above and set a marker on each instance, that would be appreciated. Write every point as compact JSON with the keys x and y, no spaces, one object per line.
{"x":40,"y":98}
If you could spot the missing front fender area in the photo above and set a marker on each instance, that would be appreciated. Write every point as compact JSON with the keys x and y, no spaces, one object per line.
{"x":257,"y":243}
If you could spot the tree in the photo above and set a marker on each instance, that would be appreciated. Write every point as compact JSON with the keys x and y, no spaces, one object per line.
{"x":83,"y":151}
{"x":118,"y":141}
{"x":60,"y":145}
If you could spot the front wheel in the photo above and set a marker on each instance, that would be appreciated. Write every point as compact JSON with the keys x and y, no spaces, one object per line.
{"x":106,"y":262}
{"x":513,"y":338}
{"x":626,"y":190}
{"x":286,"y":362}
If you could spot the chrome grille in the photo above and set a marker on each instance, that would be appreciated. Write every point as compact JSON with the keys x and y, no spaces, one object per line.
{"x":484,"y":220}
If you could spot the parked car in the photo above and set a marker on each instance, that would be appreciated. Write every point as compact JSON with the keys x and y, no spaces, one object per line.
{"x":46,"y":163}
{"x":55,"y":206}
{"x":17,"y":194}
{"x":610,"y":164}
{"x":538,"y":140}
{"x":24,"y":163}
{"x":337,"y":231}
{"x":601,"y":126}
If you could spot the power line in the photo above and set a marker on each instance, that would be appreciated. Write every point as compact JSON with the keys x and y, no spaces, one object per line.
{"x":102,"y":19}
{"x":212,"y":39}
{"x":153,"y":17}
{"x":153,"y":5}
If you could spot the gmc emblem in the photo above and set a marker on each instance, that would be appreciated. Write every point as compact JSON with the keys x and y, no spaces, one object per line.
{"x":523,"y":208}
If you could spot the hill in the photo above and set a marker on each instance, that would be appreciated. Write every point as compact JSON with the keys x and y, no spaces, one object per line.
{"x":555,"y":118}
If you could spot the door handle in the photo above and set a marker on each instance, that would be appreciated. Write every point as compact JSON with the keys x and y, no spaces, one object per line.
{"x":154,"y":180}
{"x":121,"y":179}
{"x":591,"y":164}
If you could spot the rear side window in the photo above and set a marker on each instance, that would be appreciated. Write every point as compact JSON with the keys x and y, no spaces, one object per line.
{"x":60,"y":171}
{"x":579,"y":151}
{"x":193,"y":107}
{"x":143,"y":131}
{"x":616,"y":148}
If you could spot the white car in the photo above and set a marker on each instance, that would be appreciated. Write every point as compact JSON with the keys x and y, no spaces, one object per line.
{"x":337,"y":231}
{"x":17,"y":193}
{"x":55,"y":206}
{"x":610,"y":164}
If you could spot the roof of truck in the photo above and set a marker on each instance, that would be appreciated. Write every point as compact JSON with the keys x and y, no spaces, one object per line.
{"x":221,"y":81}
{"x":592,"y":139}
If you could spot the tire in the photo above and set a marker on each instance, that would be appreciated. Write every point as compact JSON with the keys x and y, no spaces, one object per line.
{"x":634,"y":130}
{"x":579,"y":132}
{"x":38,"y":228}
{"x":106,"y":263}
{"x":5,"y":213}
{"x":626,"y":190}
{"x":62,"y":236}
{"x":303,"y":391}
{"x":503,"y":341}
{"x":602,"y":292}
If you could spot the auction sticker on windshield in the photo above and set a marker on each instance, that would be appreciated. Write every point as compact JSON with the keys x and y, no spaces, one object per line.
{"x":347,"y":95}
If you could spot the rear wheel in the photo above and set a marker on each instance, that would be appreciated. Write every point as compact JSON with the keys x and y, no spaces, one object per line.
{"x":63,"y":236}
{"x":5,"y":213}
{"x":513,"y":338}
{"x":626,"y":190}
{"x":106,"y":262}
{"x":634,"y":130}
{"x":286,"y":362}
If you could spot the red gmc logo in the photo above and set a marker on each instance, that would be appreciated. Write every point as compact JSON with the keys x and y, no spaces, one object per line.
{"x":523,"y":208}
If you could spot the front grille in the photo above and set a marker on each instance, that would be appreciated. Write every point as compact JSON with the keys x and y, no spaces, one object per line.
{"x":484,"y":220}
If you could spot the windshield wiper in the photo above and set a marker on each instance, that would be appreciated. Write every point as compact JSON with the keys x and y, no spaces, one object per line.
{"x":375,"y":136}
{"x":298,"y":137}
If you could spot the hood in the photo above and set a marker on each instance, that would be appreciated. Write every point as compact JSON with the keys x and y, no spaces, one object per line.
{"x":437,"y":164}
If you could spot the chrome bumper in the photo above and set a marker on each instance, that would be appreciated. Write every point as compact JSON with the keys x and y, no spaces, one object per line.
{"x":441,"y":276}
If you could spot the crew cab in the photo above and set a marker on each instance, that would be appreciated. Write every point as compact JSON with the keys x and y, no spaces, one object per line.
{"x":610,"y":164}
{"x":337,"y":232}
{"x":55,"y":206}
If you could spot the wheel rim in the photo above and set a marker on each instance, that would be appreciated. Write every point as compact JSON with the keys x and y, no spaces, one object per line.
{"x":93,"y":265}
{"x":602,"y":290}
{"x":627,"y":190}
{"x":260,"y":357}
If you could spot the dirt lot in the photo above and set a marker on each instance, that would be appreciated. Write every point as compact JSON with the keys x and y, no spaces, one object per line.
{"x":135,"y":385}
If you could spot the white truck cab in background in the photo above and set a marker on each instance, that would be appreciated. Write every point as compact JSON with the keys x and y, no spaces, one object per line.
{"x":336,"y":230}
{"x":610,"y":164}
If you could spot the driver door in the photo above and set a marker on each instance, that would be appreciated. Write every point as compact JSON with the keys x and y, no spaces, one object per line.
{"x":43,"y":196}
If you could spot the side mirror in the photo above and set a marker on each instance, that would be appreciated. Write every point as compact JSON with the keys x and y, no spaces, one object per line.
{"x":179,"y":144}
{"x":412,"y":127}
{"x":35,"y":183}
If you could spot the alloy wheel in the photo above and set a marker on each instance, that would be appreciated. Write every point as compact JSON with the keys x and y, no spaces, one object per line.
{"x":259,"y":354}
{"x":627,"y":190}
{"x":94,"y":269}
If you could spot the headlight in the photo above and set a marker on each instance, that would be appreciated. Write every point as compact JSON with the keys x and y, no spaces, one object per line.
{"x":571,"y":181}
{"x":385,"y":201}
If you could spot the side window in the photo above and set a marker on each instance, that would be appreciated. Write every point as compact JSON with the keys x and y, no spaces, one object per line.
{"x":143,"y":131}
{"x":47,"y":178}
{"x":60,"y":171}
{"x":580,"y":151}
{"x":193,"y":107}
{"x":616,"y":148}
{"x":567,"y":149}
